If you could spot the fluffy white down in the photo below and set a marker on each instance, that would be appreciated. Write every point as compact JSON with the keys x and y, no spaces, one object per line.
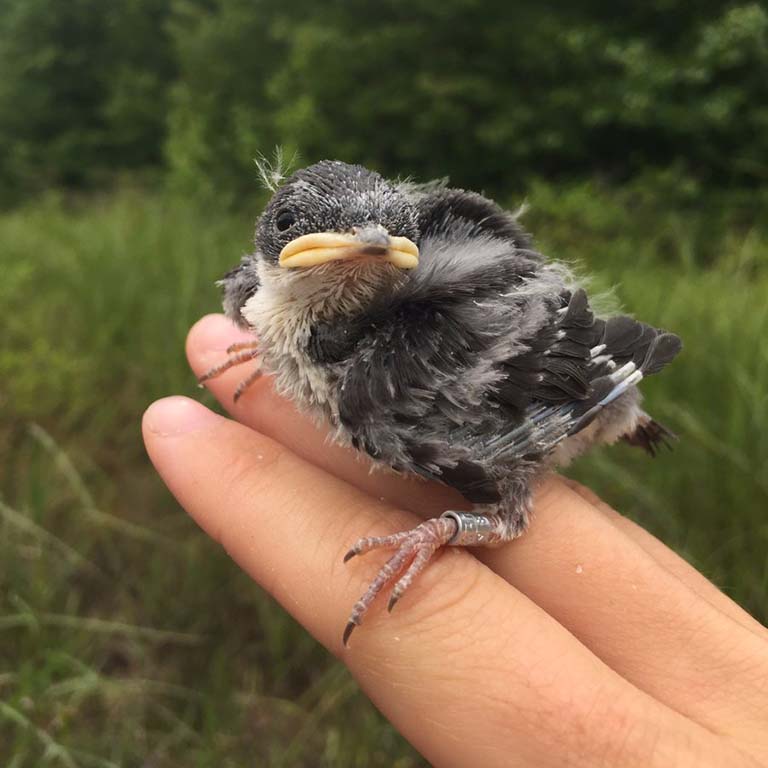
{"x":285,"y":308}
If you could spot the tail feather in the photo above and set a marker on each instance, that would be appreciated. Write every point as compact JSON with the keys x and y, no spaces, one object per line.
{"x":650,"y":435}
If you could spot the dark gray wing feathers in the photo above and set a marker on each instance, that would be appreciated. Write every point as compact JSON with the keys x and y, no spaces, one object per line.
{"x":599,"y":362}
{"x":239,"y":284}
{"x":426,"y":385}
{"x":446,"y":207}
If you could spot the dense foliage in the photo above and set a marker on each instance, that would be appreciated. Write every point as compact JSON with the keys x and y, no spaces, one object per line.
{"x":489,"y":92}
{"x":82,"y":91}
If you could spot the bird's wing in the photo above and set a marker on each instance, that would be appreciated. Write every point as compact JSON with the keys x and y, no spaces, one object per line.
{"x":485,"y":356}
{"x":566,"y":364}
{"x":239,"y":284}
{"x":443,"y":209}
{"x":420,"y":365}
{"x":576,"y":366}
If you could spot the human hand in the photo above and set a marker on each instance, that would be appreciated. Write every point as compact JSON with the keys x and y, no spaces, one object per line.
{"x":586,"y":642}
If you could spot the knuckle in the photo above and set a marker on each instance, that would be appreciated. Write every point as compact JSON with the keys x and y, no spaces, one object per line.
{"x":445,"y":601}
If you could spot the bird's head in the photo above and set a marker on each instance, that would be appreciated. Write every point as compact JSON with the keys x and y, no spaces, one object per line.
{"x":333,"y":232}
{"x":332,"y":238}
{"x":331,"y":214}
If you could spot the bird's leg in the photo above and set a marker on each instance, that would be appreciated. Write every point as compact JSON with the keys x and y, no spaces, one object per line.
{"x":245,"y":383}
{"x":239,"y":353}
{"x":417,"y":546}
{"x":239,"y":346}
{"x":230,"y":362}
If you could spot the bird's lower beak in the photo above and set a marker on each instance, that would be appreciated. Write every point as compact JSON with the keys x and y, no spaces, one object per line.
{"x":322,"y":247}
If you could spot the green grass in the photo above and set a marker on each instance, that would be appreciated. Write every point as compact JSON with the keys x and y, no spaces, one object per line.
{"x":128,"y":639}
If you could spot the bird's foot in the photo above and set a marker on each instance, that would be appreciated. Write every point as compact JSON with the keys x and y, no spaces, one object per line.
{"x":417,"y":546}
{"x":240,"y":346}
{"x":242,"y":352}
{"x":245,"y":383}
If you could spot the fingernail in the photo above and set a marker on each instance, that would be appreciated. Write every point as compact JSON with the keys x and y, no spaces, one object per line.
{"x":173,"y":416}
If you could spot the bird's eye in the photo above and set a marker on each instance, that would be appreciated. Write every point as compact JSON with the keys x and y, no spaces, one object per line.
{"x":284,"y":220}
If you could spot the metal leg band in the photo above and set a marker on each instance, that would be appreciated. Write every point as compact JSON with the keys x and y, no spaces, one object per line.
{"x":471,"y":530}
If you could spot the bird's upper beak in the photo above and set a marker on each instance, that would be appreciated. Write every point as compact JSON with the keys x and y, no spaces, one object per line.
{"x":321,"y":247}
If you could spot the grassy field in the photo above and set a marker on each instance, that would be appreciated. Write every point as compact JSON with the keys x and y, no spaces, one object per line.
{"x":128,"y":639}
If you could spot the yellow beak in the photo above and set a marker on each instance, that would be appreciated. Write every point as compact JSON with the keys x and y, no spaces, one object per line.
{"x":322,"y":247}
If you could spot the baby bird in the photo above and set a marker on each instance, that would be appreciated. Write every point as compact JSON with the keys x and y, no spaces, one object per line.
{"x":419,"y":323}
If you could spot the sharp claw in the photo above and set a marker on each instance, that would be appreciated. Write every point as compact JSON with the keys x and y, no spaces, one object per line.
{"x":416,"y":546}
{"x":348,"y":630}
{"x":243,"y":386}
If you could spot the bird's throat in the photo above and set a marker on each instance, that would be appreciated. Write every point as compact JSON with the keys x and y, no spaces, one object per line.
{"x":290,"y":303}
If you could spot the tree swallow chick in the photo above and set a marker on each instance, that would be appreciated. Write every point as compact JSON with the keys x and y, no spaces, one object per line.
{"x":422,"y":326}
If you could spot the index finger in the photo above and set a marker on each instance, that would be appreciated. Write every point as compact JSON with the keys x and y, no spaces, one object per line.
{"x":470,"y":670}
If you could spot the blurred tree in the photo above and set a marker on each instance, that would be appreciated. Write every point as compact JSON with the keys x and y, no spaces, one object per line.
{"x":82,"y":90}
{"x":221,"y":117}
{"x":487,"y":91}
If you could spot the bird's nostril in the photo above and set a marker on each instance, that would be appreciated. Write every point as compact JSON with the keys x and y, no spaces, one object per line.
{"x":372,"y":236}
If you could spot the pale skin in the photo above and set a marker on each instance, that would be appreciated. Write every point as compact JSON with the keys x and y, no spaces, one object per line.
{"x":586,"y":642}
